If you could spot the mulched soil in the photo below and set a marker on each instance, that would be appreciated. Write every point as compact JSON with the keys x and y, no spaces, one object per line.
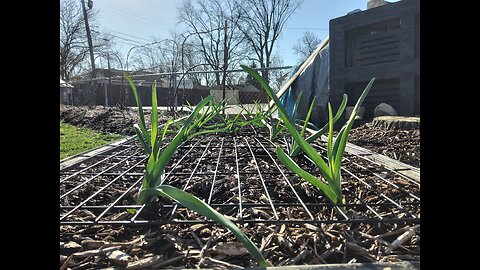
{"x":402,"y":145}
{"x":106,"y":119}
{"x":206,"y":245}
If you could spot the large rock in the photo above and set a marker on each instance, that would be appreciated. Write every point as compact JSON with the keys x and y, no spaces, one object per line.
{"x":384,"y":109}
{"x":376,"y":3}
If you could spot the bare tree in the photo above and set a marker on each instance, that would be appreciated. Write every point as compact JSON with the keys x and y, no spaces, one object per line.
{"x":194,"y":61}
{"x":262,"y":22}
{"x":109,"y":54}
{"x":279,"y":76}
{"x":148,"y":59}
{"x":165,"y":55}
{"x":306,"y":45}
{"x":205,"y":20}
{"x":73,"y":39}
{"x":162,"y":55}
{"x":73,"y":46}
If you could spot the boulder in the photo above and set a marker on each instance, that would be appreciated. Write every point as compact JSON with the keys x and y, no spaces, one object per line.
{"x":384,"y":109}
{"x":376,"y":3}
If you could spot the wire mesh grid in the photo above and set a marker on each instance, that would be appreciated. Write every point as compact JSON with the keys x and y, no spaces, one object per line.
{"x":239,"y":176}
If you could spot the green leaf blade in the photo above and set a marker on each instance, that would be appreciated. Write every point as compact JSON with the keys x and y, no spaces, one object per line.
{"x":295,"y":106}
{"x":167,"y":154}
{"x":309,"y":150}
{"x":197,"y":109}
{"x":291,"y":165}
{"x":307,"y":118}
{"x":340,"y":148}
{"x":141,"y":138}
{"x":330,"y":132}
{"x":143,"y":126}
{"x":199,"y":206}
{"x":154,"y":116}
{"x":324,"y":129}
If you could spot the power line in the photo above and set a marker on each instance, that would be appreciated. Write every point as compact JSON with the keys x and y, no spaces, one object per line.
{"x":149,"y":40}
{"x":306,"y":28}
{"x":122,"y":12}
{"x":127,"y":39}
{"x":128,"y":43}
{"x":122,"y":8}
{"x":129,"y":17}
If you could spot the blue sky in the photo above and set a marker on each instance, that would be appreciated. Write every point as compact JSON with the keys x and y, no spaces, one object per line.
{"x":139,"y":21}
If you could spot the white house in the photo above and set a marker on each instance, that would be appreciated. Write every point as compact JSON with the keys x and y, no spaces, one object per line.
{"x":66,"y":93}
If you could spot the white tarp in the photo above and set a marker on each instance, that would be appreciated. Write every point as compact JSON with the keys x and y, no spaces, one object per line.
{"x":313,"y":81}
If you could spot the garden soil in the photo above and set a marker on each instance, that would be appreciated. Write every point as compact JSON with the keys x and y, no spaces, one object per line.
{"x":203,"y":245}
{"x":401,"y":145}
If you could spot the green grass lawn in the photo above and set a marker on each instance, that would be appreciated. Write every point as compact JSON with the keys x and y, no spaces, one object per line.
{"x":74,"y":140}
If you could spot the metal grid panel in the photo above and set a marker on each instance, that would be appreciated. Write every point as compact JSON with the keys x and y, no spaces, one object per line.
{"x":240,"y":177}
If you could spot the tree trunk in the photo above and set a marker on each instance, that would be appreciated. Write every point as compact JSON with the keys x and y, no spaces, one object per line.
{"x":396,"y":122}
{"x":265,"y":73}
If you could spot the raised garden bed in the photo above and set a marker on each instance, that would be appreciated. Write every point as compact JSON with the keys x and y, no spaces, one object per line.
{"x":398,"y":144}
{"x":240,"y":177}
{"x":401,"y":145}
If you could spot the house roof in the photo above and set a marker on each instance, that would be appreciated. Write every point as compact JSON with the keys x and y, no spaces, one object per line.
{"x":65,"y":84}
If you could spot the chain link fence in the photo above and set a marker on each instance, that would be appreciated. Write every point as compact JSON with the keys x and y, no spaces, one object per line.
{"x":176,"y":91}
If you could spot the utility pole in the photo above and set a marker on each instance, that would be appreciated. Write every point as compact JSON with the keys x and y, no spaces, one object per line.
{"x":109,"y":80}
{"x":89,"y":37}
{"x":109,"y":70}
{"x":225,"y":55}
{"x":173,"y":82}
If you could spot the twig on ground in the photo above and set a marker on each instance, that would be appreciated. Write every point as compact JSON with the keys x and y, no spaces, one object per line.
{"x":199,"y":242}
{"x":266,"y":241}
{"x":94,"y":252}
{"x":315,"y":253}
{"x":144,"y":263}
{"x":205,"y":247}
{"x":99,"y":243}
{"x":67,"y":261}
{"x":229,"y":265}
{"x":398,"y":231}
{"x":169,"y":261}
{"x":402,"y":239}
{"x":297,"y":258}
